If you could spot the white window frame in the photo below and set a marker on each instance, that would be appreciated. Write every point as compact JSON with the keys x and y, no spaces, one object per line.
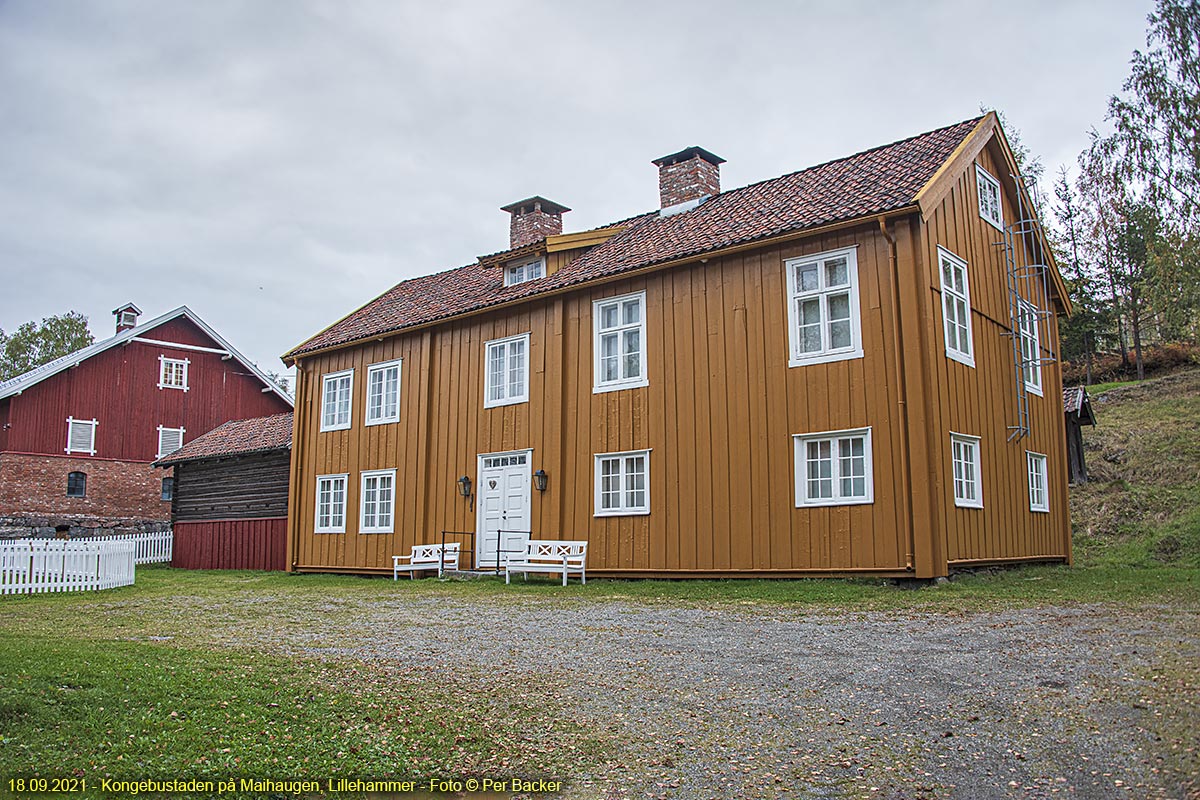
{"x":643,"y":379}
{"x":958,"y":440}
{"x":796,"y":356}
{"x":519,"y":273}
{"x":344,"y":477}
{"x":800,"y":454}
{"x":163,"y":429}
{"x":625,"y":509}
{"x":950,"y":294}
{"x":92,"y":423}
{"x":325,"y":381}
{"x":163,"y":362}
{"x":982,"y":178}
{"x":373,"y":369}
{"x":129,"y":318}
{"x":1033,"y":337}
{"x":362,"y":502}
{"x":505,"y":343}
{"x":1039,"y":474}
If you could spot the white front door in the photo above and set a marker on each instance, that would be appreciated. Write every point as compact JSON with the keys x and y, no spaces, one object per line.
{"x":503,"y":502}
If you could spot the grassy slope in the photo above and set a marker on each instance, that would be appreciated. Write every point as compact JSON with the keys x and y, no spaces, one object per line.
{"x":1142,"y":504}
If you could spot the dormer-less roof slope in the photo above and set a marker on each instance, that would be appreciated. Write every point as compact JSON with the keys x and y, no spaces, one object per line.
{"x":20,"y":383}
{"x":236,"y":438}
{"x":876,"y":181}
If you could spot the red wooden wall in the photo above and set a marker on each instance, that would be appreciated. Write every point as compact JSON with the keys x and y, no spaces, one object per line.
{"x":231,"y":544}
{"x":119,"y":387}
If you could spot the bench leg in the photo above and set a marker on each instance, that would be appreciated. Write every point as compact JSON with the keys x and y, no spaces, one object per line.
{"x":507,"y":577}
{"x":564,"y":576}
{"x":583,"y":576}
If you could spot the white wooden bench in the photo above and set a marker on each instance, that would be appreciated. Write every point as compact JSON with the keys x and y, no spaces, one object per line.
{"x":544,"y":555}
{"x":424,"y":557}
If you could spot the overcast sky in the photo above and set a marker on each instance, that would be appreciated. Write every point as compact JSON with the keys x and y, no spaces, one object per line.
{"x":276,"y":164}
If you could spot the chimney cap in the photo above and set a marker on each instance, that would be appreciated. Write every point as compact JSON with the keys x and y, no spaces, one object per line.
{"x":686,"y":154}
{"x":534,"y":203}
{"x":128,"y":307}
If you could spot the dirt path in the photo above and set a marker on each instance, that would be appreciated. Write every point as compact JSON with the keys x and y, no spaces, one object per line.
{"x":764,"y":701}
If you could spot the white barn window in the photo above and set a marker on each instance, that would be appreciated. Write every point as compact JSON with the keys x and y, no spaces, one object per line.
{"x":1031,"y":347}
{"x":173,"y":373}
{"x":169,"y":440}
{"x":81,"y":436}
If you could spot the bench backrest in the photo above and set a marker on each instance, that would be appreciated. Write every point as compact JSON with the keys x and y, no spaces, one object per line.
{"x":432,"y":554}
{"x":553,"y":551}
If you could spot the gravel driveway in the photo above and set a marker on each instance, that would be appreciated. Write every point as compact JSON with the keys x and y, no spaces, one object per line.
{"x":763,"y":701}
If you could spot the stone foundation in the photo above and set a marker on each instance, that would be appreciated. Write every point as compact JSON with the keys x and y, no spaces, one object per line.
{"x":50,"y":527}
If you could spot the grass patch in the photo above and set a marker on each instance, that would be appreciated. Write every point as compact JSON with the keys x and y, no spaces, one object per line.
{"x":1141,"y":506}
{"x":131,"y":710}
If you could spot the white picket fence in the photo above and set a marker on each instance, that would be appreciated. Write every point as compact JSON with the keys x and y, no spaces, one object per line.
{"x":29,"y":566}
{"x":152,"y":548}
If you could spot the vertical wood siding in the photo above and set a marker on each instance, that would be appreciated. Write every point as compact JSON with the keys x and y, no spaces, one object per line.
{"x":982,"y":401}
{"x":718,"y":416}
{"x":231,"y":544}
{"x":119,"y":388}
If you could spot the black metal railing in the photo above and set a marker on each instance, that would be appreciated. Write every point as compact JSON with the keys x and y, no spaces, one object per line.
{"x":470,"y":536}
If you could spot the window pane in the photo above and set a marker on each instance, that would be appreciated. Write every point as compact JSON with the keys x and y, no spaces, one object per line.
{"x":633,"y":355}
{"x":632,"y":312}
{"x":807,"y":278}
{"x":837,"y":273}
{"x":608,"y":316}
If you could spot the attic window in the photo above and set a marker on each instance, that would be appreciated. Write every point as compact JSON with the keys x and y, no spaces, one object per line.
{"x":525,"y":271}
{"x":989,"y":198}
{"x":128,"y":318}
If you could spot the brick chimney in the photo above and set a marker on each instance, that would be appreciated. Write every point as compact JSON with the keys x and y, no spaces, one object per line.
{"x":688,"y":175}
{"x":127,"y":316}
{"x":533,"y":219}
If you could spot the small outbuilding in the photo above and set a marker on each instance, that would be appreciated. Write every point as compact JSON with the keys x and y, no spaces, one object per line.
{"x":230,"y":501}
{"x":1077,"y":408}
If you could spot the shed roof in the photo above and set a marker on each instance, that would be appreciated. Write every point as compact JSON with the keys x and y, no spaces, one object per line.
{"x":1077,"y":402}
{"x":236,"y":438}
{"x":875,"y":181}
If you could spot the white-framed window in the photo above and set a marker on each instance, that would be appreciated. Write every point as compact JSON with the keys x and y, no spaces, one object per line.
{"x":81,"y":436}
{"x":1038,"y":497}
{"x":834,"y":468}
{"x":129,"y":318}
{"x":337,"y":388}
{"x":623,"y":483}
{"x":956,"y":307}
{"x":964,"y":459}
{"x":506,"y":371}
{"x":378,"y":503}
{"x":823,"y":307}
{"x":619,"y":344}
{"x":173,"y":373}
{"x":1031,"y":346}
{"x":331,"y":503}
{"x":526,"y":271}
{"x":169,"y":440}
{"x":989,"y":198}
{"x":383,"y":393}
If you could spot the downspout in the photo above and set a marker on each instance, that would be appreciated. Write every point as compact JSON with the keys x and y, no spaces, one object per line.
{"x":902,"y":397}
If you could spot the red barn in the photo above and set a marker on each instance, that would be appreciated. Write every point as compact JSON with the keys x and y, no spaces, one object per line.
{"x":78,"y":435}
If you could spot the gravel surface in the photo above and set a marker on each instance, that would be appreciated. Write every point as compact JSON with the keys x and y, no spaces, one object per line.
{"x":755,"y":700}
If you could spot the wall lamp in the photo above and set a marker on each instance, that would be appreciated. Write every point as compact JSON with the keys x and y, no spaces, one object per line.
{"x":464,"y":488}
{"x":540,"y":479}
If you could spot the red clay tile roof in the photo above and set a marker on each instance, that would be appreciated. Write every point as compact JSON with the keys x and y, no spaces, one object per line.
{"x":236,"y":438}
{"x":872,"y":182}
